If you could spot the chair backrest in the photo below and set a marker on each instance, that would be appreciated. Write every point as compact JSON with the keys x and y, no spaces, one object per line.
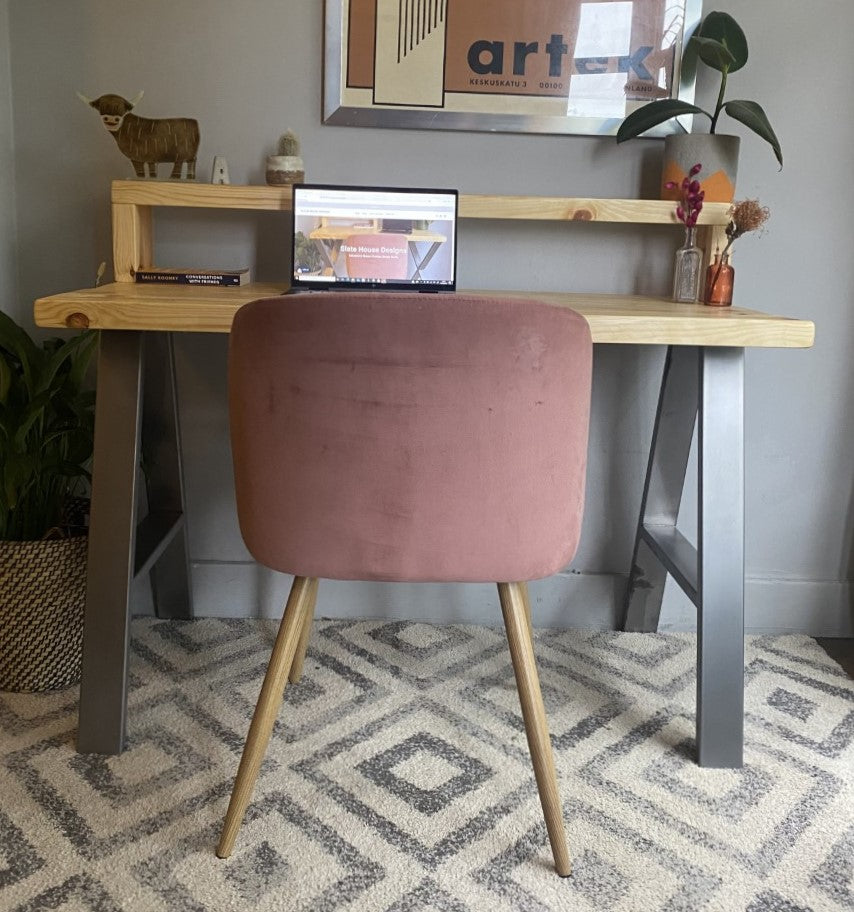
{"x":385,"y":436}
{"x":377,"y":256}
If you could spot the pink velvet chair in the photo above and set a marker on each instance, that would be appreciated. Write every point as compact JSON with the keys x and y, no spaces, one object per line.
{"x":408,"y":437}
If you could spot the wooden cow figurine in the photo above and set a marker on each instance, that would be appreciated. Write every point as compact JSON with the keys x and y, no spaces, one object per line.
{"x":146,"y":140}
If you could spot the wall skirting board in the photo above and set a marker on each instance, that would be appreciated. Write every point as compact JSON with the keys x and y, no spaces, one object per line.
{"x":586,"y":600}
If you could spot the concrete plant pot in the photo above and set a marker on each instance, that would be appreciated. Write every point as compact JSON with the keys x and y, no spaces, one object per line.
{"x":718,"y":154}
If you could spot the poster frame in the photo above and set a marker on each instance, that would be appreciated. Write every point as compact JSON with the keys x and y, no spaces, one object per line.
{"x":369,"y":114}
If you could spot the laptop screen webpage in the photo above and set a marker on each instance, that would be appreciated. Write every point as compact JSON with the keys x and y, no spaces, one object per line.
{"x":374,"y":237}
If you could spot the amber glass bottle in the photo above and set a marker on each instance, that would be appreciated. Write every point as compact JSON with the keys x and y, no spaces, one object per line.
{"x":719,"y":281}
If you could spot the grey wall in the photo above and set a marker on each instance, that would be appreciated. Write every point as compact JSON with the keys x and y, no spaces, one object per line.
{"x":249,"y":71}
{"x":8,"y":287}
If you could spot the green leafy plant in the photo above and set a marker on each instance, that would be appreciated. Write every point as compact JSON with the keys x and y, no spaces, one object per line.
{"x":719,"y":43}
{"x":46,"y":428}
{"x":288,"y":143}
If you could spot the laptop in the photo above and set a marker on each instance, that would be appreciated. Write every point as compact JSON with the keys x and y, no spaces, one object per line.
{"x":393,"y":238}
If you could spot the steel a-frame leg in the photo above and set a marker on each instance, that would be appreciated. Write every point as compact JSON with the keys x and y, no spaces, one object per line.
{"x":135,"y":398}
{"x":706,"y":384}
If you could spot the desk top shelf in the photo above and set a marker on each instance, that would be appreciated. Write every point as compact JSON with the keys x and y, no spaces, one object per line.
{"x":627,"y":319}
{"x":134,"y":202}
{"x":551,"y":208}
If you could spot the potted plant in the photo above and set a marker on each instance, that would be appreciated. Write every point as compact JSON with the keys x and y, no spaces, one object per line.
{"x":287,"y":167}
{"x":720,"y":44}
{"x":46,"y":441}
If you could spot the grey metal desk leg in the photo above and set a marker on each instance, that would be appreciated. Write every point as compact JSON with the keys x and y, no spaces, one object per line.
{"x":662,"y":493}
{"x":720,"y":660}
{"x":707,"y":382}
{"x":162,"y":542}
{"x":112,"y":540}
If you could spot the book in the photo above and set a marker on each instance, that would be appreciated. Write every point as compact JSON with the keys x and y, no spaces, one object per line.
{"x":174,"y":276}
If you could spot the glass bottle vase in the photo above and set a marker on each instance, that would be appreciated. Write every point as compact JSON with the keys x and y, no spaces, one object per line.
{"x":720,"y":277}
{"x":686,"y":274}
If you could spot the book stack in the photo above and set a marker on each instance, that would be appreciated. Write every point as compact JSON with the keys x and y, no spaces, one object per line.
{"x":172,"y":276}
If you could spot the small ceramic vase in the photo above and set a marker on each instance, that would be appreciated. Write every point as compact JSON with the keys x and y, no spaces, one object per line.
{"x":285,"y":169}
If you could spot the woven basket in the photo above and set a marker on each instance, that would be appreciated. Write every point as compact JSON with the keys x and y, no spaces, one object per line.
{"x":42,"y":595}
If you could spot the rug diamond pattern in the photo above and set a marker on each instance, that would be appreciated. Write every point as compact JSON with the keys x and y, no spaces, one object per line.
{"x":398,"y":778}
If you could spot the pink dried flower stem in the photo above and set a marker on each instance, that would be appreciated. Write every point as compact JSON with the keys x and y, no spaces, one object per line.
{"x":691,"y":202}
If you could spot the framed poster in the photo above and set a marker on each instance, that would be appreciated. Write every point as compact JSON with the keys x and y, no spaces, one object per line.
{"x":533,"y":66}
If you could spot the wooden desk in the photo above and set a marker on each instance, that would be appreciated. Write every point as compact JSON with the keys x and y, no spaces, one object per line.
{"x":703,"y":380}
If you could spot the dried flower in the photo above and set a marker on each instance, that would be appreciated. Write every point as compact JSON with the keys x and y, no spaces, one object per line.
{"x":746,"y":215}
{"x":692,"y":197}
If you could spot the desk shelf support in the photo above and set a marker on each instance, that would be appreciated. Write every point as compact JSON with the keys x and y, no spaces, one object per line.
{"x":133,"y":240}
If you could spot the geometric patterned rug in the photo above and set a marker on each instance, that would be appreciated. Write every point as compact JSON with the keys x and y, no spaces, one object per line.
{"x":398,"y":778}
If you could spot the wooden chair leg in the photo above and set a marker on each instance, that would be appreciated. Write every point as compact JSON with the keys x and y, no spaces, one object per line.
{"x":533,"y":712}
{"x":299,"y":656}
{"x":272,"y":692}
{"x":526,"y":601}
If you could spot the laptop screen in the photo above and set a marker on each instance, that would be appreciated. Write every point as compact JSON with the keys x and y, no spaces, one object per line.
{"x":374,"y":237}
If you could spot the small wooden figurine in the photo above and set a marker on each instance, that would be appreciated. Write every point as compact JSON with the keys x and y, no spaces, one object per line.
{"x":146,"y":140}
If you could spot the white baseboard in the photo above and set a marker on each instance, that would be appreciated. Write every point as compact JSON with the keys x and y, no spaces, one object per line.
{"x":587,"y":600}
{"x":774,"y":605}
{"x":565,"y":600}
